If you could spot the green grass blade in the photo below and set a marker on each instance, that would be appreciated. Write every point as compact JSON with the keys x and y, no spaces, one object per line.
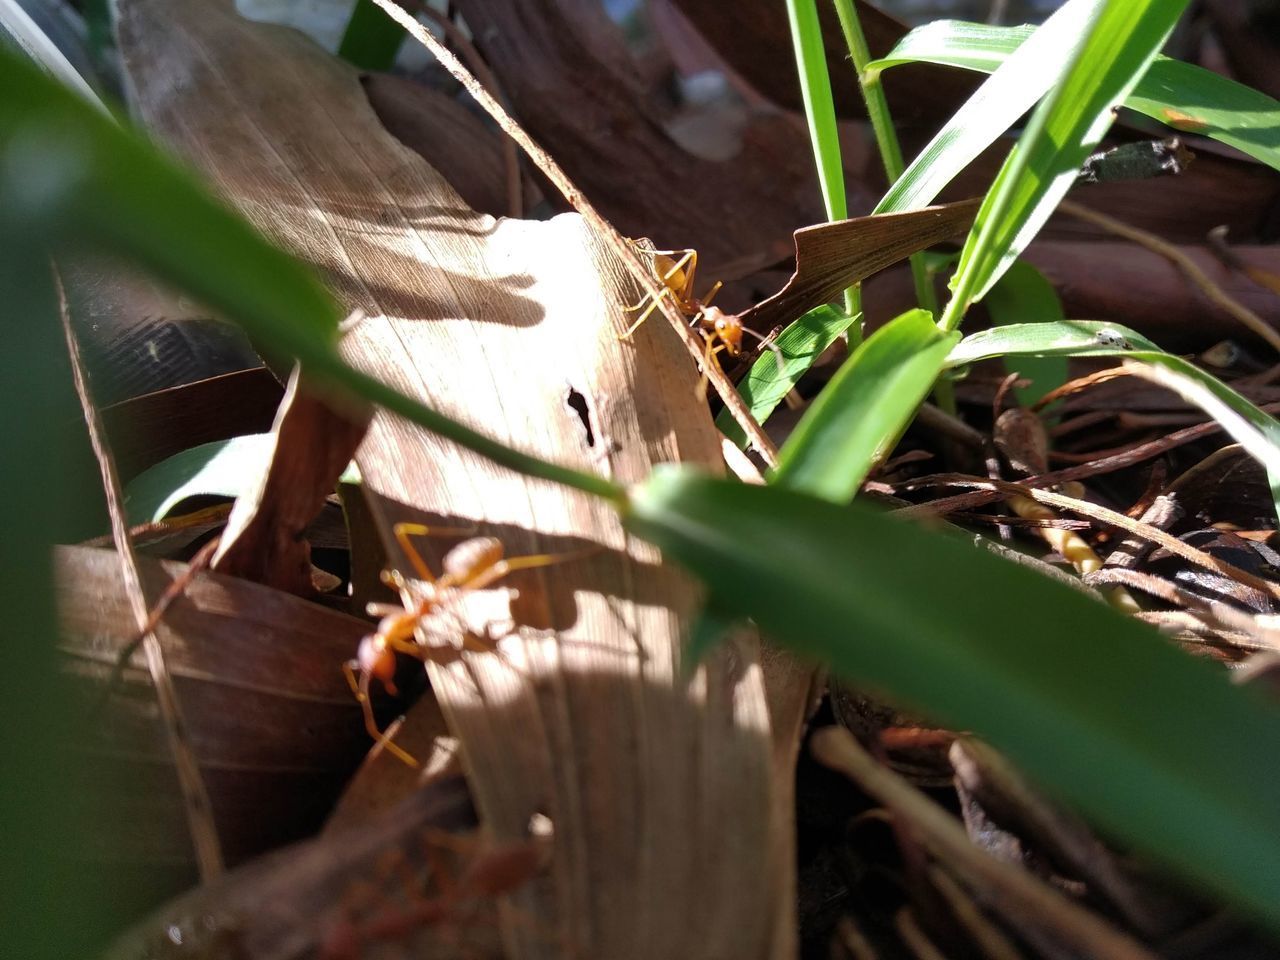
{"x":820,"y":111}
{"x":956,"y":43}
{"x":1068,"y":338}
{"x":1023,"y":294}
{"x":800,"y":344}
{"x":1021,"y":80}
{"x":1116,"y":50}
{"x":1256,"y":431}
{"x":1181,"y":95}
{"x":48,"y":492}
{"x":223,"y":468}
{"x":1101,"y":710}
{"x":864,"y":409}
{"x":70,"y":177}
{"x":882,"y":126}
{"x":372,"y":39}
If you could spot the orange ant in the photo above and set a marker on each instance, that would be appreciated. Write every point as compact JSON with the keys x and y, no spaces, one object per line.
{"x":489,"y":874}
{"x":473,"y":564}
{"x":722,"y":331}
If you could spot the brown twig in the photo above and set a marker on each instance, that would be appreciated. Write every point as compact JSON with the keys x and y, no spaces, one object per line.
{"x":199,"y":810}
{"x":838,"y":749}
{"x":621,"y":247}
{"x":917,"y":941}
{"x":176,"y":588}
{"x":1215,"y":614}
{"x":1128,"y":458}
{"x":1182,"y":262}
{"x":994,"y":943}
{"x":1110,"y":517}
{"x":1076,"y":385}
{"x":510,"y":157}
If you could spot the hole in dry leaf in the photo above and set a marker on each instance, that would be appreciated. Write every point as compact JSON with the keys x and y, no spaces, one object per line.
{"x":578,"y":404}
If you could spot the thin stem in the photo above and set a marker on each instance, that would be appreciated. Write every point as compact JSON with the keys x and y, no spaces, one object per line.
{"x":891,"y":156}
{"x":820,"y":111}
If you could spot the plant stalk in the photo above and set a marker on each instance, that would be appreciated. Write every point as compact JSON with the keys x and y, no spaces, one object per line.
{"x":883,"y":129}
{"x":891,"y":156}
{"x":820,"y":111}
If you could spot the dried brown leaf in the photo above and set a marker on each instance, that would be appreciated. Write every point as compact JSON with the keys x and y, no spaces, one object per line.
{"x":670,"y":835}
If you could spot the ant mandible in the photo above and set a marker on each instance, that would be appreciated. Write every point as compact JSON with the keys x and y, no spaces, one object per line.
{"x":721,"y":331}
{"x":474,"y":564}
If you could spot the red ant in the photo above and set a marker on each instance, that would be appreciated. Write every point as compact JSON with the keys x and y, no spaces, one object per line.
{"x":473,"y":564}
{"x":489,"y":874}
{"x":721,"y":331}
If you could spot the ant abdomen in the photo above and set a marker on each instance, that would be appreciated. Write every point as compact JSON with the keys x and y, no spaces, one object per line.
{"x":470,"y":558}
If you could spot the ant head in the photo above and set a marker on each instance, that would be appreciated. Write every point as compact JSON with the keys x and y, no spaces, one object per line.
{"x":728,"y":329}
{"x":376,"y":658}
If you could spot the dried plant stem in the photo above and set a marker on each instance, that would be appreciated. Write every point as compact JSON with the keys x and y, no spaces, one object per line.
{"x":1102,"y":515}
{"x":620,"y":245}
{"x":510,"y":156}
{"x":1185,"y":264}
{"x":1108,"y":464}
{"x":199,"y":810}
{"x":1088,"y":935}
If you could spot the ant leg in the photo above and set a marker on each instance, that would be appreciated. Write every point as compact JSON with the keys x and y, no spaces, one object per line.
{"x":644,"y":316}
{"x":767,"y":343}
{"x":403,"y":531}
{"x":510,"y":565}
{"x":361,"y":690}
{"x":711,"y":294}
{"x":681,"y":295}
{"x":708,"y":358}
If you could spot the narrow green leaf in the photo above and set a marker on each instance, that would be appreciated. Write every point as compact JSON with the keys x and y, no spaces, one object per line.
{"x":819,"y":107}
{"x":820,"y":111}
{"x":1068,"y":338}
{"x":223,"y":468}
{"x":800,"y":344}
{"x":1120,"y":43}
{"x":1023,"y":294}
{"x":865,"y":408}
{"x":1196,"y":100}
{"x":1181,"y":95}
{"x":1100,"y":709}
{"x":1021,"y":80}
{"x":957,"y":43}
{"x":372,"y":39}
{"x":43,"y":814}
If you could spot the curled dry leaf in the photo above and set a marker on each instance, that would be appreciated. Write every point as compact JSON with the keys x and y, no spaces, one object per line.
{"x":832,"y":256}
{"x":270,"y":717}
